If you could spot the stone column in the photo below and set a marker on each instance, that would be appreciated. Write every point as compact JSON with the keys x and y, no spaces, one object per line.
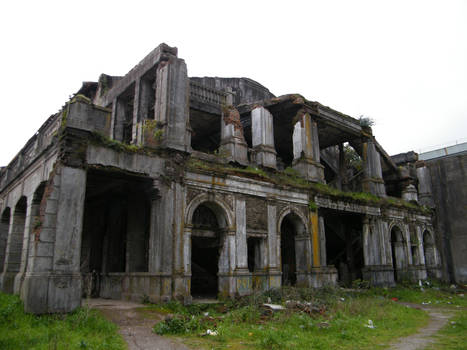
{"x":424,"y":186}
{"x":179,"y":281}
{"x":367,"y":256}
{"x":172,"y":104}
{"x":53,"y":279}
{"x":410,"y":193}
{"x":262,"y":132}
{"x":241,"y":245}
{"x":273,"y":247}
{"x":12,"y":253}
{"x":242,"y":274}
{"x":373,"y":175}
{"x":233,"y":145}
{"x":25,"y":251}
{"x":161,"y":242}
{"x":306,"y":148}
{"x":322,"y":241}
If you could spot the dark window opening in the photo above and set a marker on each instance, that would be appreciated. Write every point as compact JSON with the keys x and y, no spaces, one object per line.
{"x":206,"y":131}
{"x":123,"y":124}
{"x":254,"y":253}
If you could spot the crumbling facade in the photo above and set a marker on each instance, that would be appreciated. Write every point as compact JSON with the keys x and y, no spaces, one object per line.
{"x":159,"y":186}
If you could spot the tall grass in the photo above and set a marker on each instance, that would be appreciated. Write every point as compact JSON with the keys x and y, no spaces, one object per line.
{"x":81,"y":329}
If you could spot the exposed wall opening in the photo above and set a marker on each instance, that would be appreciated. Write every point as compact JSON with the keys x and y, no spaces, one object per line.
{"x":116,"y":225}
{"x":206,"y":131}
{"x":344,"y":247}
{"x":4,"y":227}
{"x":208,"y":222}
{"x":147,"y":98}
{"x":15,"y":248}
{"x":283,"y":140}
{"x":123,"y":124}
{"x":399,"y":256}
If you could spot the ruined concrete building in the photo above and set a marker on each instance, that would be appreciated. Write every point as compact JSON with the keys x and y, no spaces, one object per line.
{"x":159,"y":186}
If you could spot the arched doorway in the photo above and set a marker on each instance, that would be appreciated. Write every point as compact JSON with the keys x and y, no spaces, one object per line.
{"x":15,"y":245}
{"x":4,"y":227}
{"x":209,"y":224}
{"x":293,"y":249}
{"x":399,"y":256}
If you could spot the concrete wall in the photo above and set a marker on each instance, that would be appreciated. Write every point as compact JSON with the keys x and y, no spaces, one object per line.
{"x":449,"y":189}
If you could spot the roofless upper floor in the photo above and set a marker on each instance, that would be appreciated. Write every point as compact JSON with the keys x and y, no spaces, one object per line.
{"x":157,"y":105}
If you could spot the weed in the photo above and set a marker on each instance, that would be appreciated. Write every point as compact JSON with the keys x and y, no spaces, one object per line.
{"x":81,"y":329}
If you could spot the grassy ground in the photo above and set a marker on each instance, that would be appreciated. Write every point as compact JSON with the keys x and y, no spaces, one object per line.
{"x":335,"y":319}
{"x":454,"y":335}
{"x":82,"y":329}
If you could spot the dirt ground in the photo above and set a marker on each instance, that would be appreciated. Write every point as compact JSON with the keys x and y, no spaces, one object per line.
{"x":135,"y":325}
{"x":438,"y":319}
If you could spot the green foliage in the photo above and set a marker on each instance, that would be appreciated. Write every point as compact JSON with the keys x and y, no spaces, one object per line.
{"x":152,"y":130}
{"x":37,"y":223}
{"x":290,"y":177}
{"x":81,"y":329}
{"x":366,"y":122}
{"x":102,"y":140}
{"x":312,"y":206}
{"x":352,"y":158}
{"x":340,"y":323}
{"x":360,"y":284}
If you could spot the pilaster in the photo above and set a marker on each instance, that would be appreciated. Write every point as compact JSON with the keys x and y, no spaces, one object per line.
{"x":262,"y":129}
{"x":306,"y":148}
{"x":172,"y":104}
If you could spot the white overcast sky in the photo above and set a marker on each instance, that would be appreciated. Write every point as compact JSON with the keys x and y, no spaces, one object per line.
{"x":401,"y":63}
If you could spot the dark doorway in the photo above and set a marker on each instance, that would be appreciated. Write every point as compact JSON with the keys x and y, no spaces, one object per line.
{"x":115,"y":226}
{"x":344,"y":247}
{"x":205,"y":248}
{"x":288,"y":256}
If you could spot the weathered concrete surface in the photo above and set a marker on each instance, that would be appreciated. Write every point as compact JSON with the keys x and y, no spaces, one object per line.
{"x":438,"y":319}
{"x":135,"y":326}
{"x":449,"y":186}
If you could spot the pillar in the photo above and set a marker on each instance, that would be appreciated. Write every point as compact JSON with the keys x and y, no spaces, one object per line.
{"x":409,"y":193}
{"x":273,"y":243}
{"x":377,"y":258}
{"x":53,"y":279}
{"x":14,"y":248}
{"x":306,"y":148}
{"x":321,"y":274}
{"x":243,"y":277}
{"x":27,"y":229}
{"x":373,"y":175}
{"x":424,"y":186}
{"x":233,"y":145}
{"x":161,"y":242}
{"x":171,"y":108}
{"x":262,"y":132}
